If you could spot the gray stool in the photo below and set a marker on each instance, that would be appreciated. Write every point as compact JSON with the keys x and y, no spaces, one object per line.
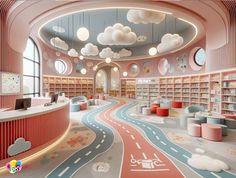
{"x":146,"y":111}
{"x":202,"y":119}
{"x":211,"y":120}
{"x":224,"y":129}
{"x":231,"y":123}
{"x":193,"y":120}
{"x":140,"y":108}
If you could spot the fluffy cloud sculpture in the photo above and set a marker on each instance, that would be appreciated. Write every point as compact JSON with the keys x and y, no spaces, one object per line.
{"x":109,"y":53}
{"x":73,"y":53}
{"x":138,"y":16}
{"x":89,"y":50}
{"x":19,"y":146}
{"x":170,"y":42}
{"x":125,"y":52}
{"x":59,"y":43}
{"x":204,"y":162}
{"x":58,"y":29}
{"x":117,"y":34}
{"x":106,"y":53}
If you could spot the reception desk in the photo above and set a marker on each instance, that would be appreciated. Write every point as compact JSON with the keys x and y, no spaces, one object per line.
{"x":38,"y":124}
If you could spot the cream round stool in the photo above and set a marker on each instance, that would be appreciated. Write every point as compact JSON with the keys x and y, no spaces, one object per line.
{"x":146,"y":111}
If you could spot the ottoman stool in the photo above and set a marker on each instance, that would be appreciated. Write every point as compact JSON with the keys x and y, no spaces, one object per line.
{"x":96,"y":101}
{"x":212,"y":120}
{"x":154,"y":108}
{"x":202,"y":119}
{"x":230,"y":116}
{"x":193,"y":120}
{"x":162,"y":112}
{"x":224,"y":129}
{"x":140,"y":108}
{"x":177,"y":104}
{"x":211,"y":132}
{"x":91,"y":102}
{"x":194,"y":130}
{"x":146,"y":111}
{"x":184,"y":120}
{"x":231,"y":123}
{"x":83,"y":106}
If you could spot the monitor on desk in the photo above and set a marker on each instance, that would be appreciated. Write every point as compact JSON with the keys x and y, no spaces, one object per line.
{"x":23,"y":103}
{"x":54,"y":98}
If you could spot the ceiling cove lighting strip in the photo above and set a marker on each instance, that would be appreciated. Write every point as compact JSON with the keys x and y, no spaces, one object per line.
{"x":41,"y":152}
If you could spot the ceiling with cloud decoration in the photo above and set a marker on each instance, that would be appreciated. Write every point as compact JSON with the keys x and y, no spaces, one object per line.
{"x":120,"y":34}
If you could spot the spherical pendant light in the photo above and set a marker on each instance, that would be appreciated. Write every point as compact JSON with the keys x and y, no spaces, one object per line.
{"x":115,"y":69}
{"x":152,"y":51}
{"x":95,"y":67}
{"x":125,"y":74}
{"x":99,"y":74}
{"x":108,"y":60}
{"x":83,"y":71}
{"x":81,"y":57}
{"x":83,"y":33}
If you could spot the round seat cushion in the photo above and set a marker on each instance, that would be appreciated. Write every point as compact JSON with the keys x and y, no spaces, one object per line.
{"x":83,"y":106}
{"x":212,"y":120}
{"x":211,"y":132}
{"x":146,"y":111}
{"x":154,"y":107}
{"x":177,"y":104}
{"x":194,"y":130}
{"x":162,"y":112}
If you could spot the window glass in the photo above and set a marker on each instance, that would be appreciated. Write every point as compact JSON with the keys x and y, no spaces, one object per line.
{"x":60,"y":66}
{"x":200,"y":57}
{"x":28,"y":67}
{"x":36,"y":67}
{"x":28,"y":84}
{"x":29,"y":50}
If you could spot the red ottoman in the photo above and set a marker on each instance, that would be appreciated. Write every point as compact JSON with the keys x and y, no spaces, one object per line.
{"x":162,"y":112}
{"x":90,"y":97}
{"x":230,"y":116}
{"x":211,"y":132}
{"x":154,"y":108}
{"x":176,"y":104}
{"x":83,"y":106}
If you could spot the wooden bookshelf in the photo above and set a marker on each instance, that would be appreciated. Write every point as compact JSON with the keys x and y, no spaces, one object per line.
{"x":128,"y":87}
{"x":114,"y":93}
{"x":71,"y":86}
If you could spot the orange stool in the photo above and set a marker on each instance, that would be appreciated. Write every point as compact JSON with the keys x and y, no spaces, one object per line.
{"x":176,"y":104}
{"x":154,"y":108}
{"x":162,"y":112}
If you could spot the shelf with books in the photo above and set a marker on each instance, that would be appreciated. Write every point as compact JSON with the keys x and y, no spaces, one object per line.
{"x":128,"y":87}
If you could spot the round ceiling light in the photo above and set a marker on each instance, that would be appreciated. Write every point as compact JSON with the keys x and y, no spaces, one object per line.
{"x":108,"y":60}
{"x":83,"y":34}
{"x":81,"y":57}
{"x":99,"y":74}
{"x":125,"y":74}
{"x":115,"y":69}
{"x":83,"y":71}
{"x":95,"y":67}
{"x":152,"y":51}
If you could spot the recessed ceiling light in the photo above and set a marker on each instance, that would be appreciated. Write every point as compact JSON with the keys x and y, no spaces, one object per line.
{"x":83,"y":34}
{"x":125,"y":74}
{"x":81,"y":57}
{"x":115,"y":69}
{"x":152,"y":51}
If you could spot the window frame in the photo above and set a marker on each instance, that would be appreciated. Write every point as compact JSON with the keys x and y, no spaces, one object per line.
{"x":34,"y":76}
{"x":194,"y":57}
{"x":64,"y":63}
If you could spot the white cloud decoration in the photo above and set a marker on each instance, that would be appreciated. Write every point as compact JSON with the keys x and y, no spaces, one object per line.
{"x":73,"y":53}
{"x":59,"y":43}
{"x":89,"y":50}
{"x":204,"y":162}
{"x":138,"y":16}
{"x":106,"y":53}
{"x":58,"y":29}
{"x":125,"y":52}
{"x":19,"y":146}
{"x":109,"y":53}
{"x":117,"y":34}
{"x":169,"y":42}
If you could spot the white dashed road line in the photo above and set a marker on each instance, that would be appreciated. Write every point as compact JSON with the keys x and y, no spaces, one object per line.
{"x":144,"y":155}
{"x":88,"y":153}
{"x":102,"y":141}
{"x":174,"y":150}
{"x":186,"y":156}
{"x":215,"y":175}
{"x":76,"y":161}
{"x":63,"y":172}
{"x":132,"y":137}
{"x":163,"y":143}
{"x":138,"y":146}
{"x":98,"y":146}
{"x":157,"y":138}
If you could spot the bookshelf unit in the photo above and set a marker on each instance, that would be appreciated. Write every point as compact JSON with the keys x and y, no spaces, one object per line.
{"x":71,"y":86}
{"x":128,"y":87}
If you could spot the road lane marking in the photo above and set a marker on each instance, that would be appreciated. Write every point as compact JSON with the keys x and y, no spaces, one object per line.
{"x":215,"y":175}
{"x":157,"y":157}
{"x":88,"y":153}
{"x":149,"y":170}
{"x":144,"y":155}
{"x":102,"y":141}
{"x":127,"y":131}
{"x":185,"y":156}
{"x":154,"y":132}
{"x":63,"y":172}
{"x":104,"y":136}
{"x":123,"y":127}
{"x":132,"y":137}
{"x":149,"y":128}
{"x":76,"y":161}
{"x":144,"y":125}
{"x":163,"y":143}
{"x":98,"y":146}
{"x":104,"y":132}
{"x":157,"y":138}
{"x":138,"y":146}
{"x":174,"y":149}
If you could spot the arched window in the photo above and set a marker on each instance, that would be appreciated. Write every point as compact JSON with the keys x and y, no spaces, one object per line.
{"x":31,"y":70}
{"x":200,"y":57}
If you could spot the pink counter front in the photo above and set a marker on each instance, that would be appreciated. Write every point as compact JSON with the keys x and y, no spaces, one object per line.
{"x":38,"y":124}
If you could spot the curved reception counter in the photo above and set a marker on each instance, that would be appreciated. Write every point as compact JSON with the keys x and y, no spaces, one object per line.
{"x":37,"y":126}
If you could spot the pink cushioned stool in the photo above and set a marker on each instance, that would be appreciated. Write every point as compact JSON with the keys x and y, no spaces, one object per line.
{"x":194,"y":130}
{"x":83,"y":106}
{"x":211,"y":132}
{"x":162,"y":111}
